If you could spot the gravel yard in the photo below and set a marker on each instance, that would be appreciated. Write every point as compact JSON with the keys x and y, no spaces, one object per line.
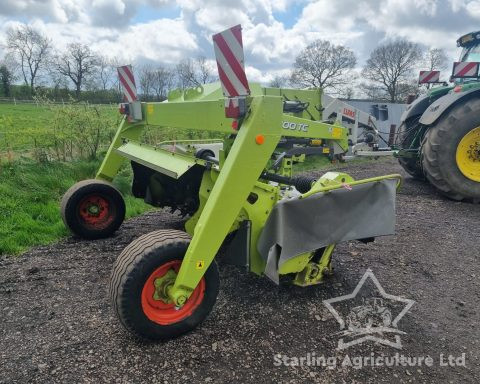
{"x":57,"y":325}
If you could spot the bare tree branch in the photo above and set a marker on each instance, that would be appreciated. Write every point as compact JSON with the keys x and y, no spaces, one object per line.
{"x":435,"y":59}
{"x":146,"y":81}
{"x":77,"y":63}
{"x":106,"y":72}
{"x":390,"y":67}
{"x":31,"y":50}
{"x":279,"y":81}
{"x":323,"y":65}
{"x":162,"y":82}
{"x":191,"y":73}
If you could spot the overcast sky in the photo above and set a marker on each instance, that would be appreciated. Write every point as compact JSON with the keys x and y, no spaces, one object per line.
{"x":274,"y":31}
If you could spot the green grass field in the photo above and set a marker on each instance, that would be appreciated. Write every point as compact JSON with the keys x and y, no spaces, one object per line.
{"x":30,"y":191}
{"x":29,"y":200}
{"x":26,"y":126}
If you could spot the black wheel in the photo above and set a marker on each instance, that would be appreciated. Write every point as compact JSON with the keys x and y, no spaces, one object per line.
{"x":140,"y":275}
{"x":451,"y":152}
{"x":405,"y":135}
{"x":93,"y":209}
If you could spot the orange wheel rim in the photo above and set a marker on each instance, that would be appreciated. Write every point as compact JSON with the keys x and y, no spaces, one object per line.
{"x":95,"y":211}
{"x":164,"y":313}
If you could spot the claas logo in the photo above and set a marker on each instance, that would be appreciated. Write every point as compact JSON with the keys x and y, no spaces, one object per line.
{"x":349,"y":113}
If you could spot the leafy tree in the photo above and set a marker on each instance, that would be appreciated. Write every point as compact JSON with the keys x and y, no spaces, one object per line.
{"x":6,"y":79}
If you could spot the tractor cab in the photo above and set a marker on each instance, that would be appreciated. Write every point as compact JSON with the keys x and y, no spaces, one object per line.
{"x":470,"y":44}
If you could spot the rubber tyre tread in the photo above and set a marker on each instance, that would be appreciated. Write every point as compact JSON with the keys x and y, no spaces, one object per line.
{"x":439,"y":152}
{"x":133,"y":267}
{"x":71,"y":198}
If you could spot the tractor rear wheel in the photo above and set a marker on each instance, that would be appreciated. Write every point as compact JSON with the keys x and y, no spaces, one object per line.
{"x":139,"y":281}
{"x":451,"y":153}
{"x":405,"y":136}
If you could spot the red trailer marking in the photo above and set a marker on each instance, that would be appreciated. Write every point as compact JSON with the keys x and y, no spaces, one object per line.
{"x":125,"y":75}
{"x":465,"y":69}
{"x":429,"y":77}
{"x":229,"y":54}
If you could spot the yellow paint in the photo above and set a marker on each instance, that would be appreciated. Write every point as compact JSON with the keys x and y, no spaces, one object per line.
{"x":337,"y":132}
{"x":468,"y":155}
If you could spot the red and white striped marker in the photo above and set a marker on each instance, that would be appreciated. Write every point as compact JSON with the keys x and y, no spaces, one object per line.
{"x":228,"y":48}
{"x":125,"y":75}
{"x":465,"y":69}
{"x":427,"y":77}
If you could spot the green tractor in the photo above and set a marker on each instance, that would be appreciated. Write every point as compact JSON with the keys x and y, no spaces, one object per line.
{"x":439,"y":135}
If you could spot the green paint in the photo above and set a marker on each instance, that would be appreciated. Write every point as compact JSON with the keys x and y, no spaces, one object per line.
{"x":231,"y":191}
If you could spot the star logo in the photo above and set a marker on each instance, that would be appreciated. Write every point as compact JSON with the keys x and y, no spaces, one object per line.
{"x":372,"y":320}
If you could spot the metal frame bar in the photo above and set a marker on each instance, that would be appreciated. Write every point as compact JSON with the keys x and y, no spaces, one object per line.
{"x":239,"y":172}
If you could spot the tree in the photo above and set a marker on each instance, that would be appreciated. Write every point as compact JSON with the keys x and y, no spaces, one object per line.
{"x":435,"y":59}
{"x":373,"y":91}
{"x":106,"y":72}
{"x":146,"y":81}
{"x":205,"y":71}
{"x":348,"y":93}
{"x":186,"y":74}
{"x":77,"y":64}
{"x":323,"y":65}
{"x":162,"y":82}
{"x":278,"y":81}
{"x":390,"y":68}
{"x":191,"y":73}
{"x":31,"y":49}
{"x":6,"y":79}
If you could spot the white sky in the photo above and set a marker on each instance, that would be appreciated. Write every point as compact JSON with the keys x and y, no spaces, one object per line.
{"x":274,"y":31}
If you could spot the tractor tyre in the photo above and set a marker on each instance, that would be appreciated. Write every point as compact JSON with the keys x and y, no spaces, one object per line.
{"x":138,"y":284}
{"x":93,"y":209}
{"x":451,"y":153}
{"x":405,"y":136}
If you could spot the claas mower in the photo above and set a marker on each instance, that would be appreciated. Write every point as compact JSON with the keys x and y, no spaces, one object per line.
{"x":239,"y":192}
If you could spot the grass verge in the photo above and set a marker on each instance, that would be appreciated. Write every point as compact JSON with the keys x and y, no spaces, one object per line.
{"x":29,"y":200}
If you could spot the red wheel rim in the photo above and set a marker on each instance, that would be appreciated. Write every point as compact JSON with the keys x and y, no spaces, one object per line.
{"x":167,"y":313}
{"x":96,"y":211}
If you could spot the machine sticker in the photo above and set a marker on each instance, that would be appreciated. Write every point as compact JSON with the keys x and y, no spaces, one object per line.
{"x":200,"y":264}
{"x":294,"y":126}
{"x":336,"y":132}
{"x":149,"y":109}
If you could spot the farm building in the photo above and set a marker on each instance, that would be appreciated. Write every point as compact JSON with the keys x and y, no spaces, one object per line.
{"x":387,"y":114}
